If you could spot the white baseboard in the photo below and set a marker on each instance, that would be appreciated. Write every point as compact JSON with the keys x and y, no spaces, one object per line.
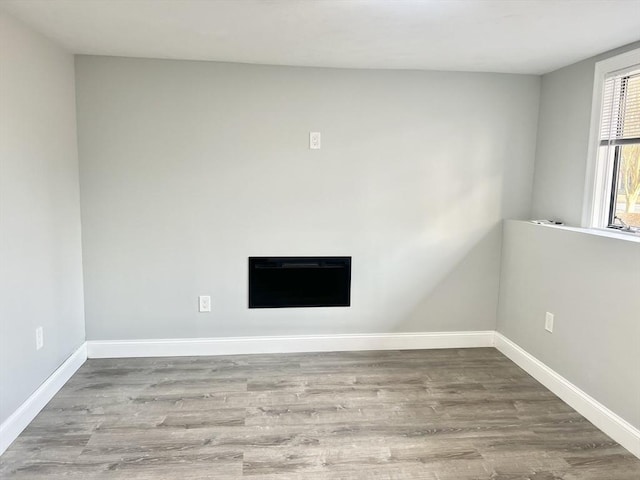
{"x":286,"y":344}
{"x":22,"y":417}
{"x":616,"y":427}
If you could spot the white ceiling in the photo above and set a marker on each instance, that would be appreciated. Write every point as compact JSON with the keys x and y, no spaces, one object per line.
{"x":517,"y":36}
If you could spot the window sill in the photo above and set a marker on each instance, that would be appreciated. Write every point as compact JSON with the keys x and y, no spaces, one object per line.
{"x":600,"y":232}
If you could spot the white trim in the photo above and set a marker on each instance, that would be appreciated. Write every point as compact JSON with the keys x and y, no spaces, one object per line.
{"x":286,"y":344}
{"x":22,"y":417}
{"x":616,"y":427}
{"x":598,"y":176}
{"x":598,"y":232}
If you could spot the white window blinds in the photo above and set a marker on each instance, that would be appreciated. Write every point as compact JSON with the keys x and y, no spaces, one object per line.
{"x":621,"y":109}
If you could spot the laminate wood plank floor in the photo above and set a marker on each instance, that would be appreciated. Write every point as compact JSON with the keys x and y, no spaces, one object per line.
{"x":453,"y":414}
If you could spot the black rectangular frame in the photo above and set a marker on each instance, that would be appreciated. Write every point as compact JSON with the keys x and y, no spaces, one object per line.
{"x":300,"y":271}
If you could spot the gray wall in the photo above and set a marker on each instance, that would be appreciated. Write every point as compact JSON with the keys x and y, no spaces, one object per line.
{"x":563,"y":140}
{"x":40,"y":251}
{"x":188,"y":168}
{"x":591,"y":285}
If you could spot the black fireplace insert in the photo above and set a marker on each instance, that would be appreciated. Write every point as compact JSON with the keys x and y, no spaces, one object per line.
{"x":280,"y":282}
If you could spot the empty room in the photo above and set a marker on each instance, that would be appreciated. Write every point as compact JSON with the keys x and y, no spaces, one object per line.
{"x":320,"y":239}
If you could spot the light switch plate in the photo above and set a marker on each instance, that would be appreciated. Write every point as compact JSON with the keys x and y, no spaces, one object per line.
{"x":548,"y":322}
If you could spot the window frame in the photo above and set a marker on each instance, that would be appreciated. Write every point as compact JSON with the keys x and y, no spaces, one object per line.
{"x":600,"y":173}
{"x":613,"y":189}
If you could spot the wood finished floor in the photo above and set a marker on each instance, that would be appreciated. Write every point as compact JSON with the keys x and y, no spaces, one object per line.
{"x":437,"y":415}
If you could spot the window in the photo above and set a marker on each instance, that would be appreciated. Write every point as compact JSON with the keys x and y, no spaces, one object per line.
{"x":615,"y":154}
{"x":620,"y":147}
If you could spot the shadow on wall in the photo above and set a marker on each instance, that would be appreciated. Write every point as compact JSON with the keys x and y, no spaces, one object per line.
{"x":445,"y":276}
{"x":464,"y":296}
{"x":454,"y":265}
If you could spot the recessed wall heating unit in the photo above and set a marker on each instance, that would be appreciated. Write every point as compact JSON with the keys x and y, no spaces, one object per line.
{"x":281,"y":282}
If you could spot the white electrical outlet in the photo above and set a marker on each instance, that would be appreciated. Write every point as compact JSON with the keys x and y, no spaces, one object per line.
{"x":204,"y":303}
{"x":548,"y":322}
{"x":314,"y":140}
{"x":39,"y":338}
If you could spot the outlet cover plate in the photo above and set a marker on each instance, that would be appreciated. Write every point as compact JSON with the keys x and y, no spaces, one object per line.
{"x":204,"y":303}
{"x":314,"y":140}
{"x":39,"y":338}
